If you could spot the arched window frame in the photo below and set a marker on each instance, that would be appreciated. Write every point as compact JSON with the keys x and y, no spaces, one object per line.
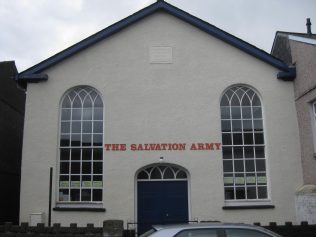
{"x":243,"y":145}
{"x":162,"y":172}
{"x":80,"y":177}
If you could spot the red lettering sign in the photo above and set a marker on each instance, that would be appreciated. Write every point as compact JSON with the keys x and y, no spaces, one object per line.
{"x":163,"y":147}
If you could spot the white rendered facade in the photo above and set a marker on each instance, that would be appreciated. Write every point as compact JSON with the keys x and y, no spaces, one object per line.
{"x":161,"y":80}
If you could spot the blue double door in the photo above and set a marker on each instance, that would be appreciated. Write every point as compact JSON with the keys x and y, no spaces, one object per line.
{"x":161,"y":202}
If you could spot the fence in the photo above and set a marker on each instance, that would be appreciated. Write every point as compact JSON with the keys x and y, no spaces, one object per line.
{"x":290,"y":230}
{"x":115,"y":229}
{"x":24,"y":230}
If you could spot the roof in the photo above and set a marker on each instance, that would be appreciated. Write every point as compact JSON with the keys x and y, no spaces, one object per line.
{"x":200,"y":225}
{"x":281,"y":46}
{"x":313,"y":36}
{"x":303,"y":39}
{"x":8,"y":68}
{"x":10,"y":93}
{"x":215,"y":225}
{"x":33,"y":74}
{"x":286,"y":34}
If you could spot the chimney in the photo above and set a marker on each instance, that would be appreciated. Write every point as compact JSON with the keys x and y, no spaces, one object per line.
{"x":308,"y":24}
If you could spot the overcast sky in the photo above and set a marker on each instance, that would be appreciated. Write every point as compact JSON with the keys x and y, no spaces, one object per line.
{"x":33,"y":30}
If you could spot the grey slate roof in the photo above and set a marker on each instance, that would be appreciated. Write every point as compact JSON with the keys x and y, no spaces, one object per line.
{"x":281,"y":45}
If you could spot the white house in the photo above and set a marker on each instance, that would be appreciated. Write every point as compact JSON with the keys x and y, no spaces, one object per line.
{"x":160,"y":118}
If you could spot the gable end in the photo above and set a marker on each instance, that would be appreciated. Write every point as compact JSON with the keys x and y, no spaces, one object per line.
{"x":155,"y":7}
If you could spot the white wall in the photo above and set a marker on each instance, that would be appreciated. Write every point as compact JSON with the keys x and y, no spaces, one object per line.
{"x":157,"y":103}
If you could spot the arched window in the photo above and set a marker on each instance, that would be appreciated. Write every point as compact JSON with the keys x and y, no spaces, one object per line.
{"x":245,"y":176}
{"x":161,"y":172}
{"x":81,"y":140}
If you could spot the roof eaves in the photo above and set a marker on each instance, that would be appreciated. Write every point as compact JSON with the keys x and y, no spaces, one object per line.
{"x":32,"y":77}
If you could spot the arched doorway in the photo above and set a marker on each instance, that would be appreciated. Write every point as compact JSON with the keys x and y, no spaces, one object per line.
{"x":162,"y":196}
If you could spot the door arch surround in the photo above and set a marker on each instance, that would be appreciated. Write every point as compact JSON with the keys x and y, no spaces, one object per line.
{"x":170,"y":187}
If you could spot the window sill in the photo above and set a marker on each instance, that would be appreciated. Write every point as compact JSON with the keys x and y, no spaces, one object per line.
{"x":240,"y":205}
{"x":80,"y":209}
{"x":80,"y":206}
{"x":244,"y":207}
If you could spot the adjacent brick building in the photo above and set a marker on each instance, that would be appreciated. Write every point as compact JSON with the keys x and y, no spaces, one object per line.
{"x":299,"y":49}
{"x":12,"y":102}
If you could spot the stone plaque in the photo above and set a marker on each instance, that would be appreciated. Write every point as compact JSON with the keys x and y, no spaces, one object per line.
{"x":160,"y":54}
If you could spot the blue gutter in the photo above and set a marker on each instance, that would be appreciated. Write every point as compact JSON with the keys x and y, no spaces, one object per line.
{"x":287,"y":73}
{"x":32,"y":77}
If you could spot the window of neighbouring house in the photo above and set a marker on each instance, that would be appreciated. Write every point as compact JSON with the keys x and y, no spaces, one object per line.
{"x":314,"y":126}
{"x":243,"y":143}
{"x":80,"y":147}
